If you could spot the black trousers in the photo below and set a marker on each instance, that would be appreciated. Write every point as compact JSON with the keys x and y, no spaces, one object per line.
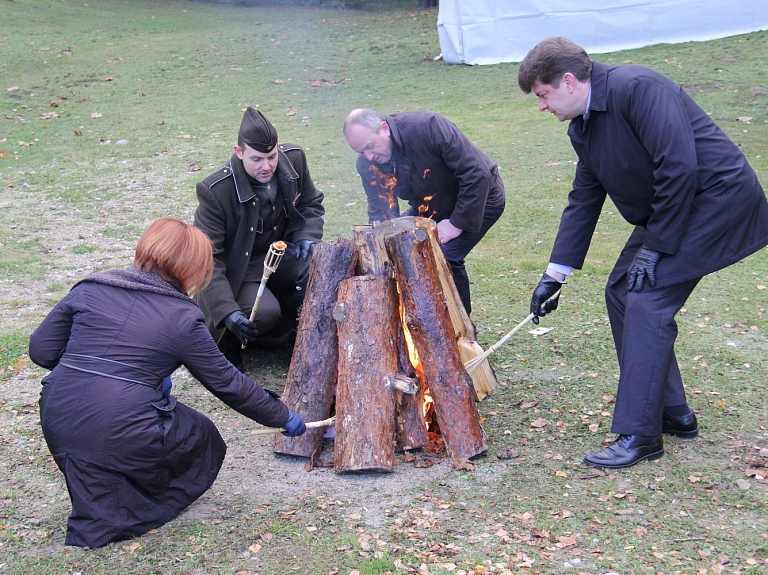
{"x":644,"y":332}
{"x":459,"y":247}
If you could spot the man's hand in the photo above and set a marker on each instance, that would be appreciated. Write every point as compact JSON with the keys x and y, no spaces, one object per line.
{"x":643,"y":268}
{"x":295,"y":426}
{"x":541,"y":304}
{"x":446,"y":231}
{"x":239,"y":324}
{"x":301,"y":250}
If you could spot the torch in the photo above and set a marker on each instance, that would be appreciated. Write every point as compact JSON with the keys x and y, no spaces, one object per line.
{"x":271,"y":261}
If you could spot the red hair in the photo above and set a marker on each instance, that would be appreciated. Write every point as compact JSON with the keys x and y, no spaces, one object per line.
{"x":178,"y":252}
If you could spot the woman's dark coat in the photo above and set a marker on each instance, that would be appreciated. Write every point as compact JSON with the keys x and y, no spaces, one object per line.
{"x":133,"y":458}
{"x":669,"y":170}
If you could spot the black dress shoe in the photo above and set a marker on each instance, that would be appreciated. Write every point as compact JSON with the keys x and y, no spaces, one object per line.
{"x":684,"y":426}
{"x":626,"y":451}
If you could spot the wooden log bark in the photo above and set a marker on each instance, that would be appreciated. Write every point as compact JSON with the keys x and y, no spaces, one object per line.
{"x":366,"y":318}
{"x":410,"y":428}
{"x":311,"y":381}
{"x":428,"y":320}
{"x":483,"y":379}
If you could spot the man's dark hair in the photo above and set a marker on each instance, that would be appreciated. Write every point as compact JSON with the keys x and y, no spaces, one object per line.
{"x":549,"y":60}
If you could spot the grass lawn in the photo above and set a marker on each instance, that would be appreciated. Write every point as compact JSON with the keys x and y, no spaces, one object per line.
{"x":113,"y":110}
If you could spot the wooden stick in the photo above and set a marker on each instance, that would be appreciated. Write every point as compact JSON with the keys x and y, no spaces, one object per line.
{"x":310,"y":425}
{"x":473,"y":364}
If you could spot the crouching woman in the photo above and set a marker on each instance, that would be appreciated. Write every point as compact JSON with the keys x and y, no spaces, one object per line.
{"x":133,"y":456}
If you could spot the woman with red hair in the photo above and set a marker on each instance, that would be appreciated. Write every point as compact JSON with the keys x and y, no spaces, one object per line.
{"x":132,"y":455}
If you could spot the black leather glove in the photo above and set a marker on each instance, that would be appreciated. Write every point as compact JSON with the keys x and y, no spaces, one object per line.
{"x":239,"y":324}
{"x":541,"y":304}
{"x":301,"y":250}
{"x":295,"y":426}
{"x":643,"y":268}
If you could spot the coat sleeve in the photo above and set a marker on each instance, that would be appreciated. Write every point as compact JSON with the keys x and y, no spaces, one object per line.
{"x":469,"y":167}
{"x":309,"y":204}
{"x":579,"y":219}
{"x":208,"y":365}
{"x":217,"y":298}
{"x":48,"y":342}
{"x":658,"y":115}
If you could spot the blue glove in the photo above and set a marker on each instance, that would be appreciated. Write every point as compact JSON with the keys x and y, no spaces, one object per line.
{"x":295,"y":426}
{"x":643,"y":267}
{"x":241,"y":326}
{"x":166,"y":386}
{"x":541,"y":305}
{"x":302,"y":250}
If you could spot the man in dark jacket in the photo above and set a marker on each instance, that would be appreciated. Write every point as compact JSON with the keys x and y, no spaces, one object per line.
{"x":263,"y":195}
{"x":696,"y":205}
{"x":423,"y":158}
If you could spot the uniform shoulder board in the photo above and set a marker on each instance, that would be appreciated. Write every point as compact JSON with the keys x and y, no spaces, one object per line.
{"x":289,"y":147}
{"x":221,"y":174}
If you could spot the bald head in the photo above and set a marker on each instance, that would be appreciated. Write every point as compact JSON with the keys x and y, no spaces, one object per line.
{"x":367,"y":133}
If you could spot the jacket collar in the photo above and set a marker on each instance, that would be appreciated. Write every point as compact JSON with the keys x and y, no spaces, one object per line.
{"x":284,"y":175}
{"x":599,"y":100}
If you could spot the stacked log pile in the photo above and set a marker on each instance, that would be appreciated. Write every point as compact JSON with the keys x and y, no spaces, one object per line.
{"x":382,"y":325}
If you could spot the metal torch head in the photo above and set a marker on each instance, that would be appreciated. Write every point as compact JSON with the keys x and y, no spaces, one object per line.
{"x":273,"y":257}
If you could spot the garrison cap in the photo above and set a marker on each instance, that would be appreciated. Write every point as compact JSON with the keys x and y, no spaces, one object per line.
{"x":257,"y":132}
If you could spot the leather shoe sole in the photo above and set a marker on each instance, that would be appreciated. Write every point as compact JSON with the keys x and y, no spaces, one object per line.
{"x":684,"y":426}
{"x":626,"y":451}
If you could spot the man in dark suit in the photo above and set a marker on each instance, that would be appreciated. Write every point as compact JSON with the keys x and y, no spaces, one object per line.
{"x":423,"y":158}
{"x":696,"y":205}
{"x":262,"y":195}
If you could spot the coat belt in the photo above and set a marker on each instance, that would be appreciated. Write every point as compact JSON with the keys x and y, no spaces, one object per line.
{"x":108,"y":367}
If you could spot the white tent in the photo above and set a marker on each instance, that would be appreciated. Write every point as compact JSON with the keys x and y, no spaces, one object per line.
{"x":492,"y":31}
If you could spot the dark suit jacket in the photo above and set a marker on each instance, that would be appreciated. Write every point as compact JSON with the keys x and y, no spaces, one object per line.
{"x":436,"y":169}
{"x":229,"y":213}
{"x":669,"y":170}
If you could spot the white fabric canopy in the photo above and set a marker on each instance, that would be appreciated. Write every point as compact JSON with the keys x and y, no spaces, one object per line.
{"x":492,"y":31}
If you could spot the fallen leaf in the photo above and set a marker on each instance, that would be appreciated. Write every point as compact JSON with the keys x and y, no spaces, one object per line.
{"x":291,"y":111}
{"x":527,"y":404}
{"x":509,"y":453}
{"x":13,"y":88}
{"x":254,"y":548}
{"x":463,"y":465}
{"x":692,"y":479}
{"x":539,"y":423}
{"x":745,"y":119}
{"x":96,"y":115}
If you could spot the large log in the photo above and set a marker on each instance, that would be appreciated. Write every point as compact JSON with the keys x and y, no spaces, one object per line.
{"x":310,"y":385}
{"x":372,"y":259}
{"x":483,"y":379}
{"x":366,"y":318}
{"x":429,"y":323}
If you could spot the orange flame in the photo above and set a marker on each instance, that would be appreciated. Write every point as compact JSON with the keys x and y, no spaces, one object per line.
{"x":386,"y":183}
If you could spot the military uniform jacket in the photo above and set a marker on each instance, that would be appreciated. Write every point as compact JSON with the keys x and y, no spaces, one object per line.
{"x":229,"y":212}
{"x":436,"y":169}
{"x":669,"y":170}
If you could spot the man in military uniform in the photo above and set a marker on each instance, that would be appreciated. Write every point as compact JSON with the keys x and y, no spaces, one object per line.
{"x":263,"y":195}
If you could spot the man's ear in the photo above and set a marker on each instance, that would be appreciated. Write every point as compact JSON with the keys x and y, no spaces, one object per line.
{"x":384,"y":128}
{"x":570,"y":81}
{"x":238,"y":151}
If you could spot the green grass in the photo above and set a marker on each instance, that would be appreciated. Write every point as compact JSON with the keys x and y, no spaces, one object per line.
{"x":145,"y":93}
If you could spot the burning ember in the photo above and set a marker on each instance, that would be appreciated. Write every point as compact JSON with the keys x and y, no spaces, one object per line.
{"x":386,"y":183}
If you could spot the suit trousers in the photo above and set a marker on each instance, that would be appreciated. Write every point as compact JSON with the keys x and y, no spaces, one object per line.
{"x":459,"y":247}
{"x":644,"y":332}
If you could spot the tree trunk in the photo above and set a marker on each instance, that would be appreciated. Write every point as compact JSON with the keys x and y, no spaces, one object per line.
{"x":310,"y":386}
{"x":428,"y":321}
{"x":410,"y":429}
{"x":367,"y":321}
{"x":483,"y":379}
